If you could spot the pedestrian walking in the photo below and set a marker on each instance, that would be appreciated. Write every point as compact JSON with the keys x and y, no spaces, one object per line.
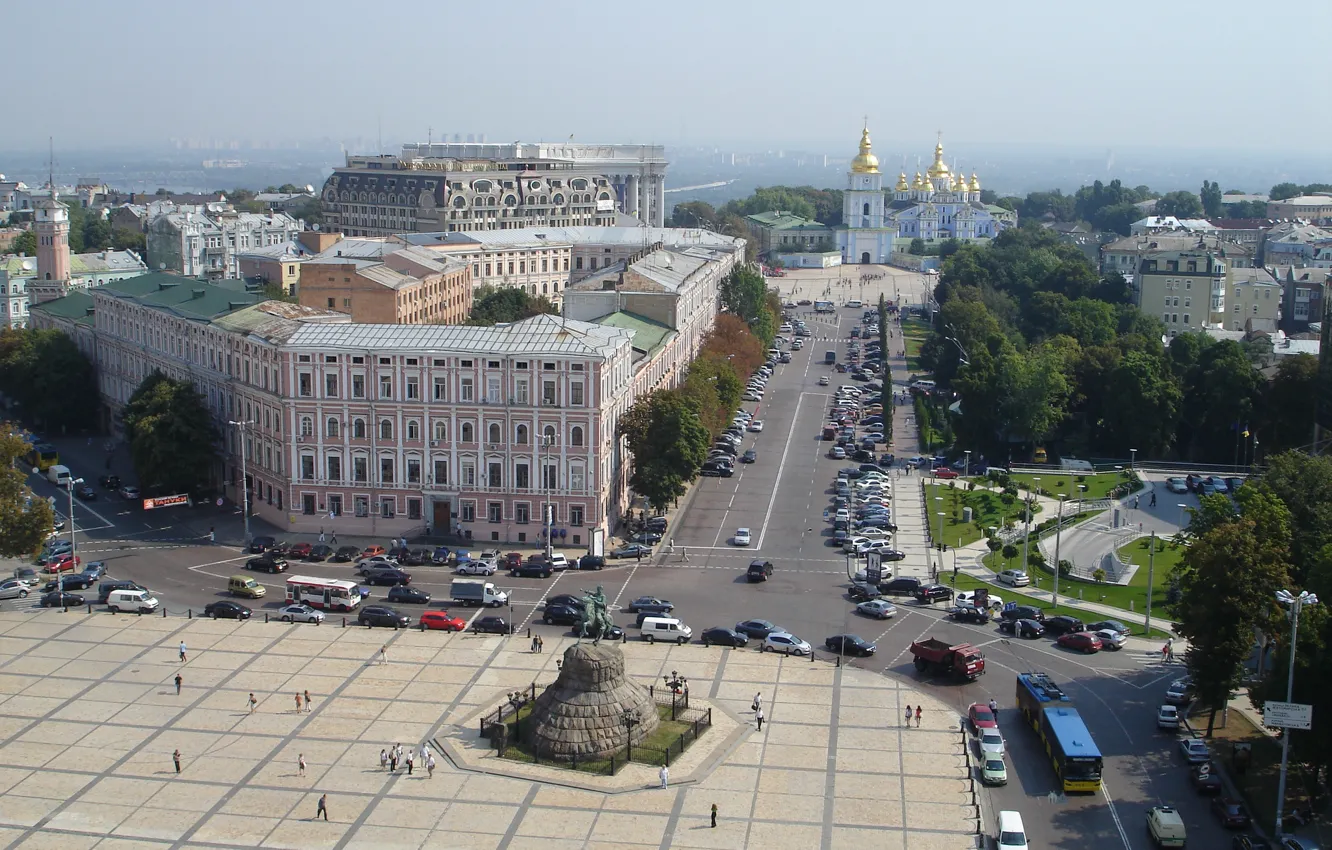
{"x":298,"y":702}
{"x":908,"y":714}
{"x":182,"y":652}
{"x":383,"y":654}
{"x":300,"y":764}
{"x":323,"y":807}
{"x":917,"y":716}
{"x":430,"y":765}
{"x":1135,"y":502}
{"x":393,"y":762}
{"x":397,"y":750}
{"x":664,"y":775}
{"x":307,"y":700}
{"x":178,"y":681}
{"x":994,"y":709}
{"x":383,"y":759}
{"x":175,"y":757}
{"x":334,"y":539}
{"x":759,"y":717}
{"x":422,"y":753}
{"x":321,"y":535}
{"x":541,"y":644}
{"x":1152,"y":503}
{"x":212,"y":536}
{"x":533,"y":646}
{"x":253,"y":702}
{"x":410,"y":762}
{"x":758,"y":702}
{"x":714,"y":815}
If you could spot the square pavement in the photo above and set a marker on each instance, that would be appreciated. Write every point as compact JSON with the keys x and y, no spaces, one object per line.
{"x":90,"y":719}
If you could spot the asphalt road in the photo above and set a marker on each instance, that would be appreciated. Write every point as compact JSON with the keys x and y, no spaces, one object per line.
{"x":782,"y":499}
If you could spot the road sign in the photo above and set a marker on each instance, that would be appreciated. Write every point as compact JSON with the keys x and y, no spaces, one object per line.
{"x":1287,"y":715}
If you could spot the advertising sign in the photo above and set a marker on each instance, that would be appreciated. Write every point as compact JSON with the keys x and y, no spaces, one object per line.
{"x":165,"y":502}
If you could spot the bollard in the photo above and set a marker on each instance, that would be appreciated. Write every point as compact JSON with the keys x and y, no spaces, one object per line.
{"x":839,"y":659}
{"x":163,"y":612}
{"x":344,"y":622}
{"x":90,"y":608}
{"x":265,"y":616}
{"x":529,"y":632}
{"x":189,"y":612}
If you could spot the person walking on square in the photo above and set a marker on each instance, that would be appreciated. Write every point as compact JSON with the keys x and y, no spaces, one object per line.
{"x":393,"y":761}
{"x":175,"y":757}
{"x":334,"y":539}
{"x":383,"y":759}
{"x":307,"y":700}
{"x":541,"y":644}
{"x":321,"y":535}
{"x":714,"y":815}
{"x":298,"y":702}
{"x":410,"y":762}
{"x":664,"y":775}
{"x":323,"y":807}
{"x":917,"y":716}
{"x":178,"y":681}
{"x":182,"y":652}
{"x":300,"y":764}
{"x":759,"y":717}
{"x":994,"y":709}
{"x":1152,"y":503}
{"x":758,"y":702}
{"x":908,"y":714}
{"x":383,"y":654}
{"x":253,"y":702}
{"x":430,"y":765}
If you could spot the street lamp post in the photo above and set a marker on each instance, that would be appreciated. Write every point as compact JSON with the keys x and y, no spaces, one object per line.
{"x":1133,"y":458}
{"x":1026,"y":526}
{"x":548,"y":510}
{"x":1059,"y":527}
{"x":244,"y":482}
{"x":73,"y":540}
{"x":1295,"y":603}
{"x":966,"y":468}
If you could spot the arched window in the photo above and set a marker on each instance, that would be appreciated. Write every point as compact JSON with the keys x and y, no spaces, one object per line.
{"x":441,"y":430}
{"x":494,"y":431}
{"x":520,"y":435}
{"x":331,"y":427}
{"x":576,"y":436}
{"x":548,"y":433}
{"x":413,"y":429}
{"x":467,"y":433}
{"x":459,"y":202}
{"x":386,"y":429}
{"x":866,"y":209}
{"x":307,"y":426}
{"x":358,"y":429}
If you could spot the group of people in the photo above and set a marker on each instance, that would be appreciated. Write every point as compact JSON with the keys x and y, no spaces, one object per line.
{"x":538,"y":645}
{"x":391,"y":758}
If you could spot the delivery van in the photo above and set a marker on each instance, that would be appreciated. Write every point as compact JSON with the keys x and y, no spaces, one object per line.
{"x":246,"y":586}
{"x":665,"y":628}
{"x":139,"y":601}
{"x":1011,"y":835}
{"x":59,"y":475}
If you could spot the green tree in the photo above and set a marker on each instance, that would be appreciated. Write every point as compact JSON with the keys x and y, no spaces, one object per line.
{"x":1210,"y":196}
{"x":1180,"y":204}
{"x":693,"y":214}
{"x":1303,"y":484}
{"x":1246,"y":209}
{"x":1282,"y":191}
{"x":96,"y":233}
{"x":917,"y":247}
{"x":25,"y":518}
{"x":1035,"y":392}
{"x":669,"y":444}
{"x":1291,"y":400}
{"x":124,"y":239}
{"x":1141,"y":407}
{"x":43,"y":370}
{"x":25,"y":243}
{"x":172,"y":440}
{"x":712,"y":386}
{"x":1228,"y":579}
{"x":742,"y":292}
{"x":495,"y":304}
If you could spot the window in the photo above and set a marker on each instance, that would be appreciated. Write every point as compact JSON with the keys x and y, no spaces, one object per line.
{"x":1186,"y":318}
{"x":468,"y":433}
{"x":576,"y":516}
{"x":520,"y":435}
{"x":358,"y":386}
{"x":577,"y":478}
{"x":520,"y":391}
{"x":386,"y":470}
{"x":467,"y":391}
{"x":413,"y":508}
{"x":576,"y":436}
{"x":331,"y":427}
{"x":522,"y":513}
{"x":335,"y":504}
{"x":386,"y":386}
{"x":495,"y":511}
{"x":361,"y":505}
{"x":494,"y":433}
{"x":388,"y":507}
{"x":413,"y":429}
{"x":386,"y":429}
{"x":492,"y":388}
{"x":358,"y":429}
{"x":441,"y":389}
{"x":307,"y":467}
{"x":547,"y":392}
{"x":521,"y":476}
{"x":307,"y":426}
{"x":413,"y":389}
{"x":467,"y":511}
{"x":303,"y":381}
{"x":441,"y":430}
{"x":330,"y":386}
{"x":495,"y":474}
{"x":468,"y":474}
{"x":413,"y":470}
{"x":334,"y":464}
{"x":441,"y":471}
{"x":578,"y":263}
{"x":549,"y":479}
{"x":576,"y":393}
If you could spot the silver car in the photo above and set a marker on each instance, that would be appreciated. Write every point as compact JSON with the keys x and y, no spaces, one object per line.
{"x":880,"y":608}
{"x":15,"y":588}
{"x":301,"y":614}
{"x":475,"y":568}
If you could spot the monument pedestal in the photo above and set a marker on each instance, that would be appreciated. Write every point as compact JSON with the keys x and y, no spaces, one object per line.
{"x":583,"y":713}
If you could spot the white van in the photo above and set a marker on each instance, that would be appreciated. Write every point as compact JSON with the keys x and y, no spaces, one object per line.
{"x":665,"y":628}
{"x":59,"y":475}
{"x":1010,"y":835}
{"x":139,"y":601}
{"x":923,"y":385}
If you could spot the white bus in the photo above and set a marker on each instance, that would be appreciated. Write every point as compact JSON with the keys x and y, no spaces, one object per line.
{"x":328,"y":594}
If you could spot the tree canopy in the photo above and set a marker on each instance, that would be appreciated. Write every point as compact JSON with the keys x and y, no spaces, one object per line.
{"x":495,"y":304}
{"x":821,"y":205}
{"x":43,"y":370}
{"x":172,"y":440}
{"x":25,"y":518}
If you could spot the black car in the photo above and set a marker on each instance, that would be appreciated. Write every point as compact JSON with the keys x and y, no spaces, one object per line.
{"x":73,"y":581}
{"x":591,"y":562}
{"x":409,"y":595}
{"x":104,"y":589}
{"x":345,"y":554}
{"x":722,"y":636}
{"x":565,"y":599}
{"x":648,"y":538}
{"x":758,"y":629}
{"x":1108,"y":625}
{"x":970,"y":614}
{"x":650,"y":605}
{"x":850,"y":645}
{"x":900,"y":586}
{"x":632,"y":550}
{"x":759,"y":570}
{"x":261,"y":543}
{"x":533,"y":569}
{"x":1063,"y":625}
{"x":564,"y":615}
{"x":1250,"y":842}
{"x":319,"y":552}
{"x":490,"y":625}
{"x":279,"y":550}
{"x":389,"y":576}
{"x":716,"y":470}
{"x":413,"y":557}
{"x":61,"y":600}
{"x":1023,"y":628}
{"x":749,"y":456}
{"x":267,"y":563}
{"x":225,"y":609}
{"x":931,"y":593}
{"x":109,"y":482}
{"x":863,"y":592}
{"x":1023,"y":612}
{"x":383,"y":615}
{"x":86,"y":493}
{"x":655,"y":523}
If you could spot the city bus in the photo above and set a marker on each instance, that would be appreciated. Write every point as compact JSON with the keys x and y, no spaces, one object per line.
{"x":327,"y":594}
{"x":824,"y":307}
{"x":43,"y":456}
{"x":1076,"y":760}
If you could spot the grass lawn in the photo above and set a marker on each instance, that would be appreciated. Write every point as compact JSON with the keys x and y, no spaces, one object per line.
{"x":914,"y":333}
{"x":1009,"y":594}
{"x":988,"y":509}
{"x":1059,"y":481}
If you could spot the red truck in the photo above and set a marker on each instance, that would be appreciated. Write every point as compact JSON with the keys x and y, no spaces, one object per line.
{"x":961,"y":659}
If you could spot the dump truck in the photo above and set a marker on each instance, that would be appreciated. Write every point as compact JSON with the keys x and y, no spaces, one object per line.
{"x":939,"y":656}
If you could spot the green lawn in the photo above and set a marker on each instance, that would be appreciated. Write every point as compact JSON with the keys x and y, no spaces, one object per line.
{"x":1059,"y":481}
{"x":988,"y":509}
{"x":966,"y":582}
{"x":914,"y":333}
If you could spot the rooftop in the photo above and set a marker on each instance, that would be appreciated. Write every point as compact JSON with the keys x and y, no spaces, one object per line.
{"x":77,"y":305}
{"x":539,"y":335}
{"x":647,"y":334}
{"x":1321,"y":200}
{"x":186,"y":297}
{"x":1174,"y":242}
{"x":781,"y":220}
{"x":670,"y":237}
{"x":666,"y":270}
{"x":275,"y":322}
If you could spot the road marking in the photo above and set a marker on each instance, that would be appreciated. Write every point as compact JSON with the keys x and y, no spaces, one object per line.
{"x":1114,"y":814}
{"x":781,"y":467}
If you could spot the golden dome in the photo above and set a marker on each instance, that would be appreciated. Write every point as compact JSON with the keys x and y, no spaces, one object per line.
{"x":939,"y":168}
{"x":902,"y":185}
{"x":975,"y":182}
{"x":865,"y":162}
{"x":919,"y":182}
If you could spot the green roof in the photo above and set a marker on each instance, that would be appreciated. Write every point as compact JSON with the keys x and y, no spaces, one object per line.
{"x":187,"y":297}
{"x":648,"y":335}
{"x":77,"y":305}
{"x":779,"y":220}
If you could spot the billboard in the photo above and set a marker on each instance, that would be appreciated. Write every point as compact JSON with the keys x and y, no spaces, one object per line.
{"x":165,"y":502}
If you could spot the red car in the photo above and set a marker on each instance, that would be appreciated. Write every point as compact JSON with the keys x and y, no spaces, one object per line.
{"x":441,"y":620}
{"x":1231,"y":812}
{"x":299,"y":550}
{"x":1082,"y":641}
{"x":513,"y":560}
{"x":65,"y":563}
{"x":371,"y":551}
{"x":981,"y":717}
{"x":943,"y":472}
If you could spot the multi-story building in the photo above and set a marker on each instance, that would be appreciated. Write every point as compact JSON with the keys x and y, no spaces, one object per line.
{"x":1303,"y":296}
{"x":786,"y":232}
{"x":1314,"y":208}
{"x":1196,"y":289}
{"x":209,"y":244}
{"x":85,"y":271}
{"x":1248,"y":232}
{"x":1125,"y":255}
{"x":280,"y":265}
{"x":538,"y":265}
{"x":1293,"y":243}
{"x":381,"y":282}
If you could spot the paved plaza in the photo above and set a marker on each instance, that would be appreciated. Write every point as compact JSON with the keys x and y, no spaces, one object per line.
{"x":91,"y":718}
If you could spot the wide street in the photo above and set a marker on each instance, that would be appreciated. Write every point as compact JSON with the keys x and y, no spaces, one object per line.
{"x":783,"y":499}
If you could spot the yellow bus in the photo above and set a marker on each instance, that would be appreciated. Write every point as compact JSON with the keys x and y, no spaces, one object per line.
{"x":43,"y":456}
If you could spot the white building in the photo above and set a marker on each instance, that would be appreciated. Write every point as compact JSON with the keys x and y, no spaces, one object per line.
{"x":198,"y":244}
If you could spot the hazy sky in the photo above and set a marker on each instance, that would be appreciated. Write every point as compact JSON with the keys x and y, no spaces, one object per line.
{"x":1203,"y":74}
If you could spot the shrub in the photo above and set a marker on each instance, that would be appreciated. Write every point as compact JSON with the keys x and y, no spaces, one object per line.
{"x":1036,"y":559}
{"x":1010,"y":551}
{"x":994,"y":544}
{"x":1065,"y":567}
{"x":1098,"y":574}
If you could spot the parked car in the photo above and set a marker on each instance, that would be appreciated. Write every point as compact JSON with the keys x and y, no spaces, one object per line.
{"x":382,"y":615}
{"x":344,"y":554}
{"x":409,"y":595}
{"x":225,"y":609}
{"x":786,"y":643}
{"x":649,"y":538}
{"x":591,"y":562}
{"x":991,"y":743}
{"x":65,"y":562}
{"x":1194,"y":750}
{"x":477,"y":568}
{"x":299,"y":551}
{"x":1231,"y":812}
{"x":1111,"y":625}
{"x":944,"y":472}
{"x":1023,"y":628}
{"x":849,"y":645}
{"x":994,"y":772}
{"x":1177,"y":485}
{"x":319,"y":552}
{"x":1180,"y":692}
{"x":490,"y":625}
{"x":1206,"y":780}
{"x":73,"y":581}
{"x":1167,"y":717}
{"x":931,"y":593}
{"x":722,"y":636}
{"x":1023,"y":612}
{"x":59,"y":599}
{"x":562,"y":614}
{"x":650,"y":605}
{"x":265,"y":563}
{"x":757,"y":629}
{"x":441,"y":621}
{"x":300,"y":613}
{"x":1081,"y":641}
{"x":1015,"y":578}
{"x":632,"y":550}
{"x":1110,"y":639}
{"x":1061,"y":625}
{"x":261,"y":543}
{"x":533,"y":569}
{"x":980,"y":717}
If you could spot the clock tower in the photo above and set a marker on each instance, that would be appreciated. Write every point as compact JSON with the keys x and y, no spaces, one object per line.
{"x":51,"y":227}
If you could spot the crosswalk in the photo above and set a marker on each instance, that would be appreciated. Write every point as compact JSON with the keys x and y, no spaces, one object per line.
{"x":1152,"y":660}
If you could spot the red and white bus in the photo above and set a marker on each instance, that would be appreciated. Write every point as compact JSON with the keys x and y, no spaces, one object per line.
{"x":328,"y":594}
